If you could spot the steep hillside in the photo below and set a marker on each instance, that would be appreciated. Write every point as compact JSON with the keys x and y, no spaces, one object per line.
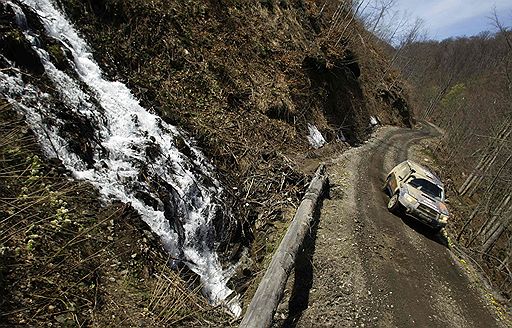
{"x":464,"y":86}
{"x":247,"y":80}
{"x":68,"y":260}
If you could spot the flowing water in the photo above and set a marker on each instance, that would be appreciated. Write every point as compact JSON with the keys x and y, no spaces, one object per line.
{"x":103,"y":135}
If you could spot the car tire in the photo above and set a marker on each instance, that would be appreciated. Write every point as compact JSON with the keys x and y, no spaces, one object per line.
{"x":394,"y":204}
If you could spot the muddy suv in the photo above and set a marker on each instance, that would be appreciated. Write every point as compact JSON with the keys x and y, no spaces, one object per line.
{"x":417,"y":192}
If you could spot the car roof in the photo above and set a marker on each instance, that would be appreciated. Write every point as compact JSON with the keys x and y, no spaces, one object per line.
{"x":422,"y":172}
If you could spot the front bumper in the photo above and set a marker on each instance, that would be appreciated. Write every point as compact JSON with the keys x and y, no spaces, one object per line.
{"x":423,"y":214}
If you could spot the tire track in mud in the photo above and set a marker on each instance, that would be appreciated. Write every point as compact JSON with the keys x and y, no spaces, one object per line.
{"x":394,"y":273}
{"x":429,"y":289}
{"x":374,"y":269}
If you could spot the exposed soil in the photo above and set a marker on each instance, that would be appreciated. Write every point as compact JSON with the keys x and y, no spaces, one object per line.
{"x":366,"y":267}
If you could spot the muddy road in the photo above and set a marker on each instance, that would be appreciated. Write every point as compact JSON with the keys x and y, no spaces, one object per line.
{"x":365,"y":267}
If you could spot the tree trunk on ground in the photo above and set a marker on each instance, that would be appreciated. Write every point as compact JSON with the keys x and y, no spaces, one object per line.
{"x":487,"y":160}
{"x":494,"y":234}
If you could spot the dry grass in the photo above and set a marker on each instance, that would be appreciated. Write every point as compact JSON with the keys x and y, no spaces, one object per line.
{"x":233,"y":74}
{"x":68,"y":260}
{"x":171,"y":302}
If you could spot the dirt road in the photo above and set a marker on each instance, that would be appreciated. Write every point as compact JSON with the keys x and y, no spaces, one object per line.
{"x":365,"y":267}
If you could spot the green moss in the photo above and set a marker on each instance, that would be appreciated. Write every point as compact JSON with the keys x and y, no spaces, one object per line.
{"x":15,"y":35}
{"x":57,"y":54}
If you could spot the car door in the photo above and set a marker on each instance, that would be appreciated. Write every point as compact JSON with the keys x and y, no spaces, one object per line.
{"x":397,"y":177}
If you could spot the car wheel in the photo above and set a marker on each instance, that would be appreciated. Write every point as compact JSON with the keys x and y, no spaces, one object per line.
{"x":393,"y":204}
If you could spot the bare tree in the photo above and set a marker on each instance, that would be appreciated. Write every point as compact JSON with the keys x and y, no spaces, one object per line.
{"x":465,"y":86}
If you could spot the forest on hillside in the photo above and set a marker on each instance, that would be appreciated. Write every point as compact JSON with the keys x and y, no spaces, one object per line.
{"x":464,"y":85}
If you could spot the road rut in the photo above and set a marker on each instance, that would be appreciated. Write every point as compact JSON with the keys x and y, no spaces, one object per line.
{"x":365,"y":267}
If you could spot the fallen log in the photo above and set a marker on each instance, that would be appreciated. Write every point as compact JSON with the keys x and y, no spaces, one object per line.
{"x":270,"y":290}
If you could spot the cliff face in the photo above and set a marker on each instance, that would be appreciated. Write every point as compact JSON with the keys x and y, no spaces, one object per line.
{"x":245,"y":79}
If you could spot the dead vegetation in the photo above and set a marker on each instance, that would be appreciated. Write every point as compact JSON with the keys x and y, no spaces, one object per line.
{"x":245,"y":79}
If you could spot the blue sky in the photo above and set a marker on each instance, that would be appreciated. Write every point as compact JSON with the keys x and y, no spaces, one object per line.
{"x":451,"y":18}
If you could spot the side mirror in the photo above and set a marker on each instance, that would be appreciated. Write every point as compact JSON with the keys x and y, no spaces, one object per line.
{"x":447,"y":201}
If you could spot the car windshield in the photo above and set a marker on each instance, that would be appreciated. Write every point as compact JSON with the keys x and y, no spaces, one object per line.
{"x":427,"y":187}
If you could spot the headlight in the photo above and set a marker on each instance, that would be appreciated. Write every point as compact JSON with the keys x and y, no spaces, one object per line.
{"x":408,"y":198}
{"x":443,"y":218}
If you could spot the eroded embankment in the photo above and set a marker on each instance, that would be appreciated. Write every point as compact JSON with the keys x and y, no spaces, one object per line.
{"x":247,"y":79}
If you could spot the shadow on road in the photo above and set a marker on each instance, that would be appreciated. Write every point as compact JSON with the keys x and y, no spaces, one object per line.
{"x":422,"y":229}
{"x":303,"y":272}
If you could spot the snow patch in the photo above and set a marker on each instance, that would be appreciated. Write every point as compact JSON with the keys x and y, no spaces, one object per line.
{"x":315,"y":138}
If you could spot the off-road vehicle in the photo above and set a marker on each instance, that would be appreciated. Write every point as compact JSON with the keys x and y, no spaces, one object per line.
{"x":417,"y":192}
